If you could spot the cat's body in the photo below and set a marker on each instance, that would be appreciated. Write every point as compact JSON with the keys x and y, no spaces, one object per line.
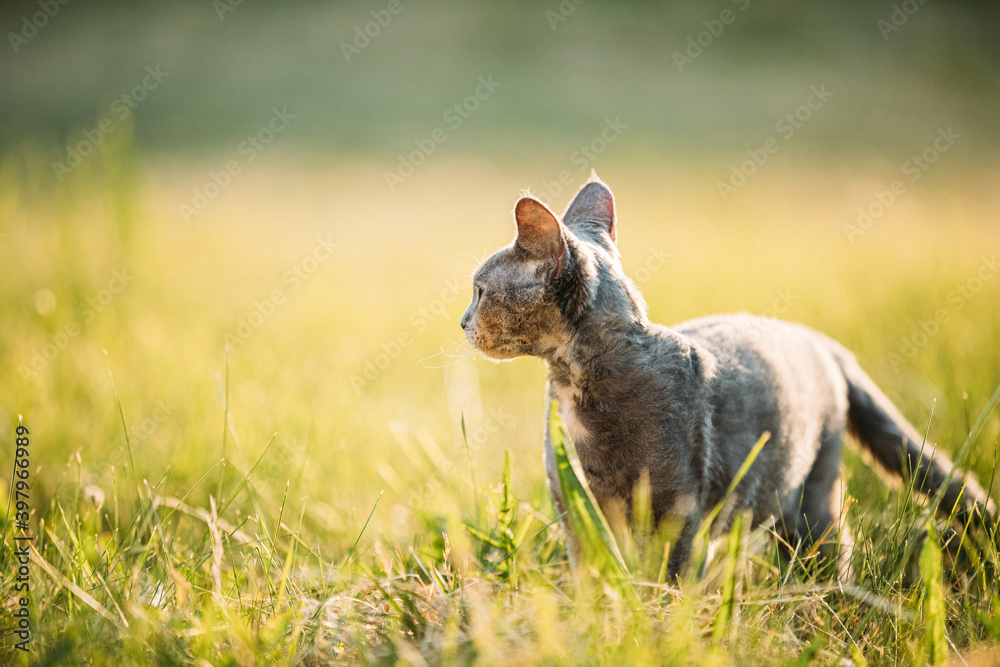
{"x":687,"y":404}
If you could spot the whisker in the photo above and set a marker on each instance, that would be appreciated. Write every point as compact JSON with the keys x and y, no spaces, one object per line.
{"x":448,"y":351}
{"x":488,"y":248}
{"x":467,"y":354}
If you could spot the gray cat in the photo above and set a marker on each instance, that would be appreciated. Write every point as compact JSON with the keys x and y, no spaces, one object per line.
{"x":688,"y":403}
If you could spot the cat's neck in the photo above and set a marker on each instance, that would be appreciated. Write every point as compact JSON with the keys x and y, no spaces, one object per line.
{"x":607,"y":340}
{"x":581,"y":355}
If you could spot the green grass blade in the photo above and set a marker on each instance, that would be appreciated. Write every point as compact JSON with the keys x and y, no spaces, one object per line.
{"x":727,"y":609}
{"x":935,"y":642}
{"x":585,"y":517}
{"x":128,"y":440}
{"x":505,"y":517}
{"x":740,"y":473}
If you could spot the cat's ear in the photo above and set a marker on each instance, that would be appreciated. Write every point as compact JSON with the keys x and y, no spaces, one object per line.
{"x":539,"y":232}
{"x":593,"y":206}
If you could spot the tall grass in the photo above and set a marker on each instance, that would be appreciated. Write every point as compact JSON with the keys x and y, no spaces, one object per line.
{"x":193,"y":505}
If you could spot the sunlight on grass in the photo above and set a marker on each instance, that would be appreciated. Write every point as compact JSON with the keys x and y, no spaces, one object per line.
{"x":343,"y":484}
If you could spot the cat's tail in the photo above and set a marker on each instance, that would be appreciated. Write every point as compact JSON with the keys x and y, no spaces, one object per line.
{"x":898,"y":448}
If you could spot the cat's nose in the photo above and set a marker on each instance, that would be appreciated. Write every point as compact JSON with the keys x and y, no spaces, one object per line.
{"x":466,"y":317}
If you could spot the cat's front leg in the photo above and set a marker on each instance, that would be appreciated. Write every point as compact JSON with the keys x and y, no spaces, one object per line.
{"x":574,"y":550}
{"x":680,"y":550}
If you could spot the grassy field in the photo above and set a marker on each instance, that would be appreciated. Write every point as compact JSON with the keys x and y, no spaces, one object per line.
{"x":352,"y":519}
{"x":254,"y":433}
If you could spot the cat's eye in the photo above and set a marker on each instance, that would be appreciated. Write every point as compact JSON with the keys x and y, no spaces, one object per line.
{"x":479,"y":294}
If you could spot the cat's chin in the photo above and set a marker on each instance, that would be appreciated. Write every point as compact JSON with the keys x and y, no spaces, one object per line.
{"x":500,"y":355}
{"x":495,"y":352}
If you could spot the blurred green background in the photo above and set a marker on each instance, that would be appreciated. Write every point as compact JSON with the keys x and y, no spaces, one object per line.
{"x":242,"y":193}
{"x":562,"y":73}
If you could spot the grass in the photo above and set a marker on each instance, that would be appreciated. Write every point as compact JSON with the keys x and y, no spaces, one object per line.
{"x":336,"y":486}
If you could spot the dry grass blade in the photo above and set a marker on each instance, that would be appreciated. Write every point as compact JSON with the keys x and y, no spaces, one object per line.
{"x":83,"y":595}
{"x":217,"y":553}
{"x":232,"y":532}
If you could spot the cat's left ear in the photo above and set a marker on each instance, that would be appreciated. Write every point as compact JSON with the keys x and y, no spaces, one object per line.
{"x":540,"y":233}
{"x":593,"y":206}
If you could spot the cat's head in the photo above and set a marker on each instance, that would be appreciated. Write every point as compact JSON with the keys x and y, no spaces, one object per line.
{"x":556,"y":274}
